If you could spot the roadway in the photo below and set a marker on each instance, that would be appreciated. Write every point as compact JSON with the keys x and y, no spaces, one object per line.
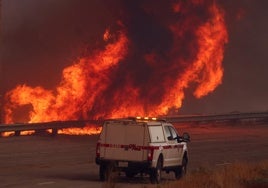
{"x":68,"y":161}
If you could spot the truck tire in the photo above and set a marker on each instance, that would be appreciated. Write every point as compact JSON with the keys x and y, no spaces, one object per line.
{"x":105,"y":171}
{"x":156,"y":173}
{"x":181,"y":170}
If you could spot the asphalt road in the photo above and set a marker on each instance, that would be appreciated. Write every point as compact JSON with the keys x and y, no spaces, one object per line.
{"x":68,"y":161}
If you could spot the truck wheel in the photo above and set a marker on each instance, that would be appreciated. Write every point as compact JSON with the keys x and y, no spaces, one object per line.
{"x":181,"y":170}
{"x":105,"y":172}
{"x":156,"y":173}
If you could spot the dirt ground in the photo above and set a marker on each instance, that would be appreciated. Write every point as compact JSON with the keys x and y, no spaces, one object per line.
{"x":68,"y":161}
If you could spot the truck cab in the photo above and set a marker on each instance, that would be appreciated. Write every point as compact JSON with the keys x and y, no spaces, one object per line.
{"x":141,"y":145}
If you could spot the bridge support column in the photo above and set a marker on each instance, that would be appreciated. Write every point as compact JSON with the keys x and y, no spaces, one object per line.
{"x":17,"y":133}
{"x":54,"y":131}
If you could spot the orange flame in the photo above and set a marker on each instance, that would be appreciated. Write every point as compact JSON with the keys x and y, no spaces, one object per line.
{"x":88,"y":130}
{"x":23,"y":133}
{"x":87,"y":90}
{"x":206,"y":69}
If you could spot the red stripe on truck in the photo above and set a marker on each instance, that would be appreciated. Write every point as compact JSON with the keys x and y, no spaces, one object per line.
{"x":138,"y":148}
{"x":134,"y":147}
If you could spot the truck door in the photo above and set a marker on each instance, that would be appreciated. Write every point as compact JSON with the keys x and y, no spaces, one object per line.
{"x":174,"y":149}
{"x":124,"y":141}
{"x":177,"y":149}
{"x":134,"y":140}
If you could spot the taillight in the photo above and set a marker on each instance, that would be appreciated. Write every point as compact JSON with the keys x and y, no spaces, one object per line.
{"x":150,"y":154}
{"x":98,"y":150}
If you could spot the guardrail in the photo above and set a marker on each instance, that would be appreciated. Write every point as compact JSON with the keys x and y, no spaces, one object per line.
{"x":56,"y":125}
{"x":218,"y":117}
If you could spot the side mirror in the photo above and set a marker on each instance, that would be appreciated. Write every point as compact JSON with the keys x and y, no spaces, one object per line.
{"x":170,"y":138}
{"x":186,"y":137}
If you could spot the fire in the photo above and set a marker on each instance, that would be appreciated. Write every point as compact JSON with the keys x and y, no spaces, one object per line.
{"x":23,"y":133}
{"x":87,"y":130}
{"x":114,"y":81}
{"x":206,"y":69}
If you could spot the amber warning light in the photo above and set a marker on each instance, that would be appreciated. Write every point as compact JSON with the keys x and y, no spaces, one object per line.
{"x":148,"y":118}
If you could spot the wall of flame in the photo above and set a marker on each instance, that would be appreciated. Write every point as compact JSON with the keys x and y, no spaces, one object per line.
{"x":142,"y":67}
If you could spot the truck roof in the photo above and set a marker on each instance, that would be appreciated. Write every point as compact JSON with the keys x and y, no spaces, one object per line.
{"x":135,"y":120}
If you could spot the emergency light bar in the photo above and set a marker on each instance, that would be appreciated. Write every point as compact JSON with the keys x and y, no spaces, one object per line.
{"x":148,"y":119}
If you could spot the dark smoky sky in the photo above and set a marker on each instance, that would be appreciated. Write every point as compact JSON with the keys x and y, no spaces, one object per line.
{"x":41,"y":37}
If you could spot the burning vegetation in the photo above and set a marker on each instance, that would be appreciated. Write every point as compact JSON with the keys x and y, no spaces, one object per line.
{"x":146,"y":61}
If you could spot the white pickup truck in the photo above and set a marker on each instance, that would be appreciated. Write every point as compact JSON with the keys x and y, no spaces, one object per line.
{"x":141,"y":145}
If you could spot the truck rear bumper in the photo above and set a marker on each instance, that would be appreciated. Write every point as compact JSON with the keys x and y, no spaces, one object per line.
{"x":125,"y":165}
